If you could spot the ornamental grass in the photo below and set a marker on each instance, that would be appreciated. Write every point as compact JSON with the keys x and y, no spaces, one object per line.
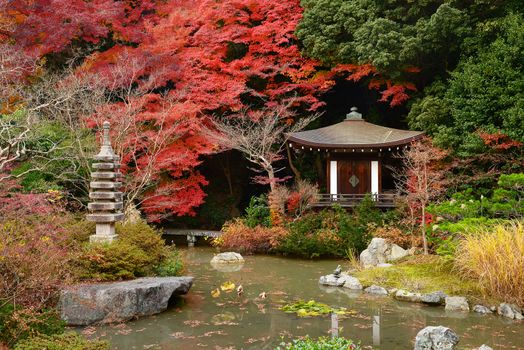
{"x":495,"y":257}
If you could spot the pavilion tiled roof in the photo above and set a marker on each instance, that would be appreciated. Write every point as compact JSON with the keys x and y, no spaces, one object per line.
{"x":354,"y":132}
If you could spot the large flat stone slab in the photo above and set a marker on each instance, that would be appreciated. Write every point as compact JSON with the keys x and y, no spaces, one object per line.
{"x":86,"y":304}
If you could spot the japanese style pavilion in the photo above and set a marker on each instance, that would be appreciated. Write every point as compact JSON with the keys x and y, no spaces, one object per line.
{"x":357,"y":154}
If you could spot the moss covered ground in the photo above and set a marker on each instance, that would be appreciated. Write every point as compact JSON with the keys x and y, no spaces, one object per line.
{"x":422,"y":274}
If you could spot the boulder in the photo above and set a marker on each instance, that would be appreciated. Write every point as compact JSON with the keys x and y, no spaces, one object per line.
{"x":481,"y":309}
{"x":484,"y":347}
{"x":435,"y":298}
{"x":351,"y":282}
{"x":397,"y":252}
{"x":404,"y":295}
{"x":457,"y":304}
{"x":375,"y":253}
{"x":82,"y":305}
{"x":227,"y":258}
{"x":376,"y":290}
{"x":436,"y":338}
{"x":510,"y":311}
{"x":379,"y":252}
{"x":332,"y":280}
{"x":343,"y":280}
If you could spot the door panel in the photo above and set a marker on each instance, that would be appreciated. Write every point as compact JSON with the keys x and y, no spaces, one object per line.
{"x":354,"y":176}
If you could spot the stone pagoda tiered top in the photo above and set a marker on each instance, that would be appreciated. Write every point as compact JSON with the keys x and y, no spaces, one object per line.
{"x":106,"y":206}
{"x":353,"y":132}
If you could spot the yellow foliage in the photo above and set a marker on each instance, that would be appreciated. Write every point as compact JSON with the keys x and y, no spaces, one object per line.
{"x":496,"y":259}
{"x":215,"y":293}
{"x":227,"y":286}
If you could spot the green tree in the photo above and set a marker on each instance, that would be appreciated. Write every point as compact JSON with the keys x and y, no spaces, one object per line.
{"x":485,"y":93}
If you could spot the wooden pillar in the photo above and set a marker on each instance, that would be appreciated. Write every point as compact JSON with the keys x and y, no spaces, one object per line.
{"x":375,"y":180}
{"x":333,"y":178}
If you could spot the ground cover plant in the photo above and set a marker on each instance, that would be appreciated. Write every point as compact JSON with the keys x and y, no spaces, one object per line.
{"x":322,"y":343}
{"x":65,"y":341}
{"x":422,"y":274}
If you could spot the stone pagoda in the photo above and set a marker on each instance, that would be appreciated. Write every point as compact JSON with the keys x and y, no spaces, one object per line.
{"x":106,"y":206}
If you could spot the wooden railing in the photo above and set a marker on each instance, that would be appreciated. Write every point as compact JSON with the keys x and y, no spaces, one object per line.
{"x":383,"y":200}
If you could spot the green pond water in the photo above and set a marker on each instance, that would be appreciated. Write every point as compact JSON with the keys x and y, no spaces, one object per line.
{"x":201,"y":321}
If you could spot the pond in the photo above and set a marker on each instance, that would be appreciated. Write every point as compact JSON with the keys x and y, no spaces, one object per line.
{"x":227,"y":321}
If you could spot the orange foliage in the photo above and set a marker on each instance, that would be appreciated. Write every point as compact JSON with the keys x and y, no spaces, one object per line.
{"x":242,"y":238}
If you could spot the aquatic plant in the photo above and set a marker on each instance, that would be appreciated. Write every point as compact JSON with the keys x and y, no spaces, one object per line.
{"x":312,"y":308}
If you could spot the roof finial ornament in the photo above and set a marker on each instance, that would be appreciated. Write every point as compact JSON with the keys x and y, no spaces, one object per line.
{"x":354,"y":115}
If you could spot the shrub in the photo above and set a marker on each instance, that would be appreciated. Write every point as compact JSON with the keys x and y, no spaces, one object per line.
{"x":495,"y":258}
{"x":138,"y":251}
{"x":34,"y":257}
{"x":240,"y":237}
{"x":321,"y":343}
{"x":257,"y":213}
{"x":331,"y":232}
{"x":17,"y":323}
{"x":171,"y":266}
{"x":291,"y":203}
{"x":66,"y":341}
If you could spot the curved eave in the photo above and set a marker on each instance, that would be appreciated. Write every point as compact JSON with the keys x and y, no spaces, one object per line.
{"x":297,"y":141}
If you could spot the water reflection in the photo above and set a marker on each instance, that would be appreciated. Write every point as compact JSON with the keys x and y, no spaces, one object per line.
{"x":252,"y":322}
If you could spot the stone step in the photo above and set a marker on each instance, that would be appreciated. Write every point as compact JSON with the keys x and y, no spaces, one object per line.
{"x":106,"y":195}
{"x":105,"y":217}
{"x":105,"y":175}
{"x":106,"y":166}
{"x":103,"y":206}
{"x":105,"y":185}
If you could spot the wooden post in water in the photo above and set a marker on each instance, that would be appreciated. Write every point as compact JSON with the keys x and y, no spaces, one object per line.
{"x":334,"y":325}
{"x":376,"y":329}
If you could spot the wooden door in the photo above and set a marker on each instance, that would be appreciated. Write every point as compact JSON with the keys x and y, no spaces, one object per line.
{"x":354,"y":176}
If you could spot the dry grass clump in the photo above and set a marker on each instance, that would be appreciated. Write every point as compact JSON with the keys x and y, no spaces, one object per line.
{"x":496,"y":259}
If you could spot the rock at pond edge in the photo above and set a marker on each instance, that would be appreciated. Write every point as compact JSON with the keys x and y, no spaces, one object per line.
{"x":510,"y":311}
{"x":376,"y":290}
{"x":86,"y":304}
{"x":481,"y":309}
{"x":435,"y":298}
{"x":404,"y":295}
{"x":456,"y":304}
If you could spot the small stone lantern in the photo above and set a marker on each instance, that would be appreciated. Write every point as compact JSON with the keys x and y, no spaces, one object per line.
{"x":106,"y":206}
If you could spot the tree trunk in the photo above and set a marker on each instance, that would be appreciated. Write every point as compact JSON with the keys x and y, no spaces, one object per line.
{"x":271,"y":177}
{"x":423,"y":228}
{"x":291,"y":165}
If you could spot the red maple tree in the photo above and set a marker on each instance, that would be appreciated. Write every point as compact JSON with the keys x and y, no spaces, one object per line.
{"x":210,"y":58}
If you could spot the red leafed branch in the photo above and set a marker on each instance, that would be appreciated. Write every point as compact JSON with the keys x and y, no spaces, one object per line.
{"x":499,"y":141}
{"x":395,"y":92}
